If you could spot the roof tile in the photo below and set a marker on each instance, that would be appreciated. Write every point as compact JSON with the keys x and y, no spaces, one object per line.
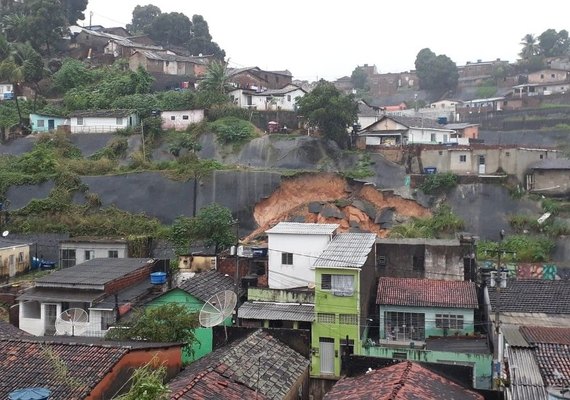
{"x":532,"y":296}
{"x":204,"y":285}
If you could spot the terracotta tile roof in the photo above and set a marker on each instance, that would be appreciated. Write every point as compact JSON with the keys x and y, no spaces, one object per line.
{"x":532,"y":296}
{"x":554,"y":363}
{"x":405,"y":380}
{"x":541,"y":334}
{"x":426,"y":293}
{"x":257,"y":361}
{"x":204,"y":285}
{"x":7,"y":330}
{"x":28,"y":363}
{"x":213,"y":385}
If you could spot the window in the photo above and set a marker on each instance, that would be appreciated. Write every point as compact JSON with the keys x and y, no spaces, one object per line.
{"x":172,"y":117}
{"x":382,"y":261}
{"x":119,"y":121}
{"x":287,"y":258}
{"x":444,"y":138}
{"x":440,"y":153}
{"x":113,"y":253}
{"x":340,"y":285}
{"x":67,"y":258}
{"x":31,"y":309}
{"x":432,"y":137}
{"x":462,"y":158}
{"x":107,"y":318}
{"x":552,"y":76}
{"x":325,"y":318}
{"x":418,"y":263}
{"x":79,"y":120}
{"x":41,"y":123}
{"x":399,"y":356}
{"x":289,"y":97}
{"x":21,"y":256}
{"x":249,"y":100}
{"x":541,"y":76}
{"x":185,"y":117}
{"x":89,"y":254}
{"x":508,"y":153}
{"x":404,"y":326}
{"x":448,"y":321}
{"x":348,"y":319}
{"x":541,"y":156}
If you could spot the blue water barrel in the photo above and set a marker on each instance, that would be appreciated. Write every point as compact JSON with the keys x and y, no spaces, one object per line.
{"x":158,"y":278}
{"x":36,"y":393}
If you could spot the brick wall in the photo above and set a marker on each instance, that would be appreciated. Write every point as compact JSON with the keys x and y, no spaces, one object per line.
{"x":227,"y":265}
{"x":129,"y":280}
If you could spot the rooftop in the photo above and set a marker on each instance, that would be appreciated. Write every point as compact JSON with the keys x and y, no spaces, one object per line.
{"x":10,"y":243}
{"x":277,"y":311}
{"x":526,"y":381}
{"x":532,"y":296}
{"x":204,"y":285}
{"x":404,"y":381}
{"x":211,"y":384}
{"x":426,"y":293}
{"x":347,"y":250}
{"x":553,"y":163}
{"x":7,"y":330}
{"x":541,"y":334}
{"x":419,"y":241}
{"x":459,"y":344}
{"x":257,"y":361}
{"x":94,"y":239}
{"x":301,"y":228}
{"x":101,"y":113}
{"x":554,"y":363}
{"x":30,"y":363}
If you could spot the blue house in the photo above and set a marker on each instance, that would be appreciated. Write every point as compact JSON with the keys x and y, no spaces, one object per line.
{"x":45,"y":123}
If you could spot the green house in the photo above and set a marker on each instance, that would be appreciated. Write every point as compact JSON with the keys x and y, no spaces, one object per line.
{"x":193,"y":293}
{"x":344,"y":275}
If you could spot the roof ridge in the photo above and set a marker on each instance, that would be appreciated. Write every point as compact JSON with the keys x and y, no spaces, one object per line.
{"x":398,"y":386}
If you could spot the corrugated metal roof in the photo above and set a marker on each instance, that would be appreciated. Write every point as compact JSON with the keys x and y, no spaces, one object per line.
{"x":277,"y":311}
{"x":513,"y":336}
{"x":302,"y":228}
{"x":419,"y":241}
{"x":526,"y":381}
{"x":347,"y":250}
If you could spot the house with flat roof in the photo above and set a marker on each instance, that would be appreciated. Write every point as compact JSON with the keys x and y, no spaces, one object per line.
{"x":105,"y":288}
{"x":102,"y":121}
{"x":78,"y":249}
{"x":549,"y":177}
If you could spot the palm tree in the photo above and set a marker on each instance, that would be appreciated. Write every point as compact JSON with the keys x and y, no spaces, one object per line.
{"x":530,"y":46}
{"x":216,"y":79}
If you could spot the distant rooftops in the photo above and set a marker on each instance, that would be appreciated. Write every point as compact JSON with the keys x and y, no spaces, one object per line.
{"x":532,"y":296}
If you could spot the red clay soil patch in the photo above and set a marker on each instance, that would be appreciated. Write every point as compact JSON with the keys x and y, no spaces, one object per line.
{"x":294,"y":194}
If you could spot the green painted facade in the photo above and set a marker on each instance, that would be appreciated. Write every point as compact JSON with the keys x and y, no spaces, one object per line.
{"x":482,"y":363}
{"x":344,"y":309}
{"x":430,"y":319}
{"x":204,"y":336}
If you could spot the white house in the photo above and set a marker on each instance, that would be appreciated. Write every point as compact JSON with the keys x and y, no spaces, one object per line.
{"x":6,"y":91}
{"x":293,"y":247}
{"x":102,"y":121}
{"x":270,"y":99}
{"x":180,"y":120}
{"x":105,"y":288}
{"x":79,"y":249}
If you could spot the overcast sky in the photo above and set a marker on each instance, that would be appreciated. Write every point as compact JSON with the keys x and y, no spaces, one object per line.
{"x":328,"y":39}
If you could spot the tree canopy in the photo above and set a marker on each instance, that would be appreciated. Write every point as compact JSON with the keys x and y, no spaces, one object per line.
{"x":359,"y":79}
{"x":175,"y":29}
{"x":330,"y":111}
{"x":436,"y":72}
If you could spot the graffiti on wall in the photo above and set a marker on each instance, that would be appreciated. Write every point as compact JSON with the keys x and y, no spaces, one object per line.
{"x":533,"y":271}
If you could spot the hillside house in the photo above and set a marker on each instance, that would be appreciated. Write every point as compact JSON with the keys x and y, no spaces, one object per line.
{"x":98,"y":370}
{"x":77,"y":250}
{"x":401,"y":131}
{"x":102,"y":121}
{"x":254,"y":78}
{"x":105,"y":288}
{"x":6,"y":91}
{"x":267,"y":100}
{"x":14,"y":258}
{"x":257,"y":366}
{"x":180,"y":120}
{"x":549,"y":177}
{"x":46,"y":123}
{"x":292,"y":249}
{"x":481,"y":159}
{"x":193,"y":293}
{"x":446,"y":259}
{"x":368,"y":114}
{"x":344,"y":287}
{"x":169,"y":64}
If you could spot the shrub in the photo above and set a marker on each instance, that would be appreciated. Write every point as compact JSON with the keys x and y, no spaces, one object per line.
{"x":438,"y":183}
{"x":232,"y":130}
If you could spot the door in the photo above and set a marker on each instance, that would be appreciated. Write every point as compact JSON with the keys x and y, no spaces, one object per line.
{"x":51,"y":124}
{"x":481,"y":164}
{"x":50,"y":314}
{"x":12,"y":265}
{"x":327,"y":355}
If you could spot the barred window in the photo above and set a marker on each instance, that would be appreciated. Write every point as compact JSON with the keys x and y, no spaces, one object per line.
{"x":287,"y":258}
{"x":348,"y":319}
{"x":325,"y":318}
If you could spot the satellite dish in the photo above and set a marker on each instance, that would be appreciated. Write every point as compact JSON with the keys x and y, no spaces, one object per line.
{"x":5,"y":233}
{"x":71,"y":322}
{"x":217,"y":308}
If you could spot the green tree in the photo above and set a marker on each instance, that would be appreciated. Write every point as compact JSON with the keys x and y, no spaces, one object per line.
{"x":201,"y":40}
{"x":171,"y":29}
{"x":143,"y":17}
{"x":213,"y":225}
{"x":16,"y":27}
{"x":553,"y":44}
{"x":359,"y":79}
{"x":74,"y":10}
{"x":436,"y":72}
{"x":167,"y":323}
{"x":216,"y":79}
{"x":47,"y":23}
{"x":328,"y":110}
{"x":72,"y":74}
{"x":530,"y":47}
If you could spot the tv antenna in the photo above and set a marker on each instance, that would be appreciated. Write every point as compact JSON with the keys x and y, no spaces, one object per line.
{"x":218,"y":307}
{"x":71,"y":322}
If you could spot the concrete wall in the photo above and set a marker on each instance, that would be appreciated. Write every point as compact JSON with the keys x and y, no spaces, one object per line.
{"x":180,"y":120}
{"x":551,"y":182}
{"x":41,"y":123}
{"x":280,"y":296}
{"x":100,"y":250}
{"x":547,"y":76}
{"x":100,"y":125}
{"x":14,"y":260}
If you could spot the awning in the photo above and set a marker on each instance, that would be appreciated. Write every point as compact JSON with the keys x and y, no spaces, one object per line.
{"x":277,"y":311}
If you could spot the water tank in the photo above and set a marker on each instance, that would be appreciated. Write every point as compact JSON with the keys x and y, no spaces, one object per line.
{"x":158,"y":278}
{"x":36,"y":393}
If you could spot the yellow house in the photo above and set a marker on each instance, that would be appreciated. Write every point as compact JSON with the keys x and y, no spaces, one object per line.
{"x":14,"y":259}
